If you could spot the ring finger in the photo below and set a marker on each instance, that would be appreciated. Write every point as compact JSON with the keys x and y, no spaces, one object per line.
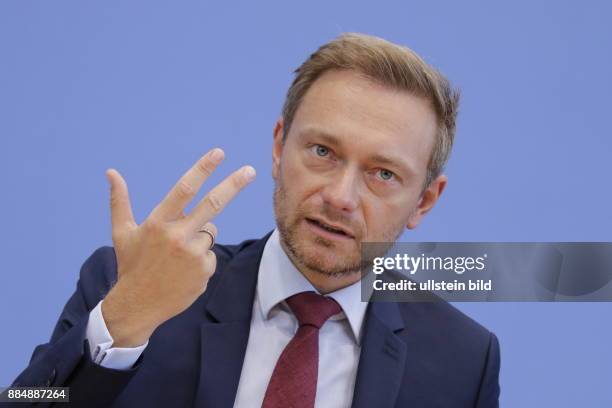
{"x":204,"y":239}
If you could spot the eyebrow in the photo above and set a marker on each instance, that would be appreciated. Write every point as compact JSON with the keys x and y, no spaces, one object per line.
{"x":393,"y":162}
{"x":330,"y":139}
{"x":324,"y":136}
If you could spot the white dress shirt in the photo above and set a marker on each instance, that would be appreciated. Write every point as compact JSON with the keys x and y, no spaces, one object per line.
{"x":273,"y":325}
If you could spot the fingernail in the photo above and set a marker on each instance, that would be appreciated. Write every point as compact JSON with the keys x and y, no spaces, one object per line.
{"x":249,"y":173}
{"x":217,"y":155}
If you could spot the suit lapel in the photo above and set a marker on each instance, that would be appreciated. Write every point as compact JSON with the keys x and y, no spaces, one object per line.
{"x":382,"y":360}
{"x":225,"y":336}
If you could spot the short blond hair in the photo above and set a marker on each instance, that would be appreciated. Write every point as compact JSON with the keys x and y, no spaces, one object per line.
{"x":389,"y":64}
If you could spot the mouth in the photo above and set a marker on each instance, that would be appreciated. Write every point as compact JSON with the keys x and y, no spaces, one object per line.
{"x":329,"y":230}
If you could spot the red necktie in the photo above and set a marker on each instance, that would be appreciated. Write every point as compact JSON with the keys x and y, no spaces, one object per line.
{"x":294,"y":381}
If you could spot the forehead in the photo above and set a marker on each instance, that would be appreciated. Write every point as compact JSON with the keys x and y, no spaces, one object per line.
{"x":368,"y":117}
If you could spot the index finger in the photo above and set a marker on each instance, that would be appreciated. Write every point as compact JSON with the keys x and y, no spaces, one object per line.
{"x":188,"y":185}
{"x":217,"y":198}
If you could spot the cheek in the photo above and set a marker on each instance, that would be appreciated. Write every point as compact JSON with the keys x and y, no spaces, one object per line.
{"x":382,"y":217}
{"x":298,"y":180}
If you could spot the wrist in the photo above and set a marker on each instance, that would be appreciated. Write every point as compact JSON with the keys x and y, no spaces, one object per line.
{"x":127,"y":325}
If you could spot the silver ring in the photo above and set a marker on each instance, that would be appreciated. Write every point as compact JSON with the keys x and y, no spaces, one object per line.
{"x":212,"y":237}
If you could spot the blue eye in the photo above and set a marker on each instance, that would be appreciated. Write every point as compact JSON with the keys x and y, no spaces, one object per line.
{"x":386,"y":174}
{"x":321,"y":151}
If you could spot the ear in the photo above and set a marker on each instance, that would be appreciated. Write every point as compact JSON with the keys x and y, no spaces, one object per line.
{"x":427,"y":201}
{"x":277,"y":147}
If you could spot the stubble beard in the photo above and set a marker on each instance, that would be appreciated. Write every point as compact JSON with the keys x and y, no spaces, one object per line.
{"x":310,"y":258}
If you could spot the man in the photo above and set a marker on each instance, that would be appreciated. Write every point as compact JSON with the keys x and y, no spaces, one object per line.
{"x":160,"y":319}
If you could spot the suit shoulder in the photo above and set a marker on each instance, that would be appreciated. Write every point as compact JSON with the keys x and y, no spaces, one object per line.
{"x":438,"y":312}
{"x":98,"y":274}
{"x":448,"y":336}
{"x":444,"y":320}
{"x":226,"y":252}
{"x":455,"y":317}
{"x":441,"y":317}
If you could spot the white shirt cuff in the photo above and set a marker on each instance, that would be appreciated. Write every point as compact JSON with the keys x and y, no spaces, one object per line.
{"x":100,"y":342}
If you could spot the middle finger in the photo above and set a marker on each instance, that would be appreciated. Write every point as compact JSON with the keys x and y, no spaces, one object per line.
{"x":188,"y":185}
{"x":217,"y":198}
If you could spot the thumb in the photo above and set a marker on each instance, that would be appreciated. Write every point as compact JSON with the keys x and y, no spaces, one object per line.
{"x":121,"y":209}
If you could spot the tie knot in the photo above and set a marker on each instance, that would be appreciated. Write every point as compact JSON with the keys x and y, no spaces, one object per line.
{"x":313,"y":309}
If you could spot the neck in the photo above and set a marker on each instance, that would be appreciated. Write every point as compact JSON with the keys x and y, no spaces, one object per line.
{"x":327,"y":284}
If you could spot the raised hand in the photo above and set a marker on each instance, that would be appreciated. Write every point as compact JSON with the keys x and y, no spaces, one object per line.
{"x":165,"y":263}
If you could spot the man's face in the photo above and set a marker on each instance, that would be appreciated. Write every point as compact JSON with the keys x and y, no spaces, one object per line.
{"x":351,"y":170}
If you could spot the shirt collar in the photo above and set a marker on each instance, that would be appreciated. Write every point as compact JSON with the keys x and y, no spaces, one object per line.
{"x":278,"y":279}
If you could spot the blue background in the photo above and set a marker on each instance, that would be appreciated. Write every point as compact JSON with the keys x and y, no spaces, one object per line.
{"x":147,"y":87}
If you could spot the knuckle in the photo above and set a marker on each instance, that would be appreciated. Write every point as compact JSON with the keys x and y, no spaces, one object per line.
{"x":192,"y":252}
{"x":210,"y":264}
{"x":177,"y":240}
{"x":211,"y":257}
{"x":155,"y":212}
{"x":116,"y":236}
{"x":214,"y":202}
{"x":153,"y":226}
{"x":204,"y":167}
{"x":115,"y":200}
{"x":238,"y":181}
{"x":184,"y":189}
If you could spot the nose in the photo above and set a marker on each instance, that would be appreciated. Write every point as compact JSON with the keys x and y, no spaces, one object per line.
{"x":342,"y":190}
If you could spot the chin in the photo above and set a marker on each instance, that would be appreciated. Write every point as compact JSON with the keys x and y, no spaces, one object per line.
{"x":326,"y":257}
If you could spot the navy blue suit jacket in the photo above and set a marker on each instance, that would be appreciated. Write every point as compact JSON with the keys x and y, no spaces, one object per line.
{"x":413,"y":354}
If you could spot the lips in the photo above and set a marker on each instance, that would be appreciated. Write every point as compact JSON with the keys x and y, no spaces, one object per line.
{"x":337,"y":229}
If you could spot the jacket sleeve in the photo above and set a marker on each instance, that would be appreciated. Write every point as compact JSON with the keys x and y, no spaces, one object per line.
{"x":488,"y":395}
{"x":65,"y":361}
